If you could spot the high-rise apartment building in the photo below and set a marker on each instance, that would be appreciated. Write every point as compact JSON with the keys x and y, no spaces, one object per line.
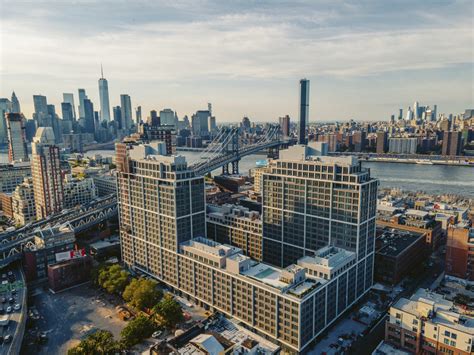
{"x":200,"y":123}
{"x":154,"y":119}
{"x":77,"y":191}
{"x":69,"y":98}
{"x":118,"y":116}
{"x":104,"y":98}
{"x":452,"y":143}
{"x":304,"y":110}
{"x":402,"y":145}
{"x":17,"y":148}
{"x":88,"y":122}
{"x":42,"y":114}
{"x":311,"y":200}
{"x":285,"y":126}
{"x":138,"y":115}
{"x":46,"y":173}
{"x":126,"y":111}
{"x":68,"y":117}
{"x":163,"y":229}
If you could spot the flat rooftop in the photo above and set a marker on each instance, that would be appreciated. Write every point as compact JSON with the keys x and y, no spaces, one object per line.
{"x":445,"y":312}
{"x":393,"y":243}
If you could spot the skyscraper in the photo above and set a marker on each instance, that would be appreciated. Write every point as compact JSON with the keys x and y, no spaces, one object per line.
{"x":304,"y":110}
{"x":68,"y":117}
{"x":46,"y":173}
{"x":104,"y":98}
{"x":118,"y":116}
{"x":17,"y":148}
{"x":82,"y":97}
{"x":154,"y":119}
{"x":69,"y":98}
{"x":138,"y":115}
{"x":5,"y":107}
{"x":416,"y":109}
{"x":126,"y":107}
{"x":15,"y":103}
{"x":167,"y":117}
{"x":285,"y":125}
{"x":200,"y":121}
{"x":89,"y":119}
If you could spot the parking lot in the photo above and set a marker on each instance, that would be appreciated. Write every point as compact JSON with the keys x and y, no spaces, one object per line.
{"x":12,"y":297}
{"x":67,"y":317}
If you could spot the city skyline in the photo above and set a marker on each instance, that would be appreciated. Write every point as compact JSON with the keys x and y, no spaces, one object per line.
{"x":255,"y":55}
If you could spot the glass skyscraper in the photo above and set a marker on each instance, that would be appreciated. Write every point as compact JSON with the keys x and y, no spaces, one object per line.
{"x":104,"y":99}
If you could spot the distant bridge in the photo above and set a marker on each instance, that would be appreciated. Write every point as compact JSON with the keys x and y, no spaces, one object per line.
{"x":230,"y":145}
{"x":13,"y":243}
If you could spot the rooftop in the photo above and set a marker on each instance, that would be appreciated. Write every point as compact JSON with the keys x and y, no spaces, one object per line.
{"x":437,"y":309}
{"x":394,"y":242}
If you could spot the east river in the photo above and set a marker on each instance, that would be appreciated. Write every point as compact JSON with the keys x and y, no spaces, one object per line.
{"x":432,"y":179}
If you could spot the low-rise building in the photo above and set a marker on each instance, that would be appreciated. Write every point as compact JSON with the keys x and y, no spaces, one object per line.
{"x":47,"y":244}
{"x":429,"y":324}
{"x":413,"y":221}
{"x":460,"y":252}
{"x":69,"y":273}
{"x":397,"y":253}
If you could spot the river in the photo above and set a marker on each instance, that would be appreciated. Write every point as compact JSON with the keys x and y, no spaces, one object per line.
{"x":432,"y":179}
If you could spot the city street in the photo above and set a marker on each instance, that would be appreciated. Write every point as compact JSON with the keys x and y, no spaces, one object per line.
{"x":14,"y":289}
{"x":69,"y":316}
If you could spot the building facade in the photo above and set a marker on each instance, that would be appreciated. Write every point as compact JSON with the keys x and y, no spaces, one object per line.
{"x":312,"y":200}
{"x":429,"y":324}
{"x":460,"y":252}
{"x":78,"y":192}
{"x":236,"y":225}
{"x":23,"y":201}
{"x":46,"y":173}
{"x":12,"y":175}
{"x":17,"y":148}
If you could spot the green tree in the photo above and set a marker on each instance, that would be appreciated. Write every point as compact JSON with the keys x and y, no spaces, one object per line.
{"x":142,"y":293}
{"x":113,"y":279}
{"x":169,"y":310}
{"x":101,"y":342}
{"x":136,"y":330}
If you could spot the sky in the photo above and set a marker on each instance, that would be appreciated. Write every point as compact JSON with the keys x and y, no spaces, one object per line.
{"x":365,"y":59}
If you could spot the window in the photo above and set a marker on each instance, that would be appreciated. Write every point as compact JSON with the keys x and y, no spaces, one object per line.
{"x":415,"y":322}
{"x":454,"y":336}
{"x":446,"y":333}
{"x":446,"y":341}
{"x":453,"y":343}
{"x":398,"y":315}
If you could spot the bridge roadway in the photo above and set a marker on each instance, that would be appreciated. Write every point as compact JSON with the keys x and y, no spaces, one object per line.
{"x":208,"y":166}
{"x":78,"y":219}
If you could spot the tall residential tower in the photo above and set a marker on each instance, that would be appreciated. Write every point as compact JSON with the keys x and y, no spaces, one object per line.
{"x":304,"y":110}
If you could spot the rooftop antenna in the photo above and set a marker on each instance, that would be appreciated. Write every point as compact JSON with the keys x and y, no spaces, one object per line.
{"x":101,"y":71}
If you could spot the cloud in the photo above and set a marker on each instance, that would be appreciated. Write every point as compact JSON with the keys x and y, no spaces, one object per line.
{"x":190,"y":42}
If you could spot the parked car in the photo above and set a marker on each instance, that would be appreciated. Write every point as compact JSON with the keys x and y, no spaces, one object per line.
{"x":17,"y":307}
{"x":7,"y":339}
{"x":156,"y":334}
{"x":9,"y":309}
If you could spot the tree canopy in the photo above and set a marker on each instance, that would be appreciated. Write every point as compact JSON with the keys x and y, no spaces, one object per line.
{"x":142,"y":294}
{"x":169,"y":310}
{"x":136,"y":330}
{"x":101,"y":342}
{"x":113,"y":278}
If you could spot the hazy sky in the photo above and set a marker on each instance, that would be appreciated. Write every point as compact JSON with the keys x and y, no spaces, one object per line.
{"x":365,"y":59}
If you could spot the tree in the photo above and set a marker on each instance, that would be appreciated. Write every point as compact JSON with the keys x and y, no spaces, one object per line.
{"x":136,"y":330}
{"x":101,"y":342}
{"x":169,"y":310}
{"x":142,"y":293}
{"x":113,"y":279}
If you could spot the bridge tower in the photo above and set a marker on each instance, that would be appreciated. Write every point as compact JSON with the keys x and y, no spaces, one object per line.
{"x":235,"y":150}
{"x":274,"y":152}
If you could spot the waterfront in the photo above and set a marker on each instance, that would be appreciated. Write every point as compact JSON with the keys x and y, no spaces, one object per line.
{"x":432,"y":179}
